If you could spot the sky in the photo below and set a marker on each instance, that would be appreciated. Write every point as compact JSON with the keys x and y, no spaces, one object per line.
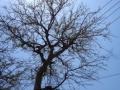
{"x":113,"y":64}
{"x":112,"y":82}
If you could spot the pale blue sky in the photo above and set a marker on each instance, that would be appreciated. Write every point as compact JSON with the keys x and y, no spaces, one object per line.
{"x":112,"y":83}
{"x":113,"y":67}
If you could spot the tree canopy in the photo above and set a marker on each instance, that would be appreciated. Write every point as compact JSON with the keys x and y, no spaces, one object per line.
{"x":62,"y":35}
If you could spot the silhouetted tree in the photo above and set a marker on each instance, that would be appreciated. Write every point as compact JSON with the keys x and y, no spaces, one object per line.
{"x":63,"y":37}
{"x":12,"y":70}
{"x":9,"y":71}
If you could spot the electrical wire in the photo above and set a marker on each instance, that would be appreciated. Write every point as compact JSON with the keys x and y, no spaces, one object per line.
{"x":110,"y":76}
{"x":106,"y":4}
{"x":116,"y":19}
{"x":103,"y":17}
{"x":113,"y":12}
{"x":109,"y":9}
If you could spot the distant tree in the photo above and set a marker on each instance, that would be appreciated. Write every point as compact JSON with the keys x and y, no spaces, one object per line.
{"x":63,"y":37}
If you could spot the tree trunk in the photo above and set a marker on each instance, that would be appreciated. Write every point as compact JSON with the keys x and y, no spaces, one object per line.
{"x":38,"y":81}
{"x":39,"y":76}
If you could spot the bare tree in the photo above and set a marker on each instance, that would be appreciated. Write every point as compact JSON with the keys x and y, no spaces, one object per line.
{"x":9,"y":70}
{"x":63,"y":37}
{"x":12,"y":70}
{"x":9,"y":74}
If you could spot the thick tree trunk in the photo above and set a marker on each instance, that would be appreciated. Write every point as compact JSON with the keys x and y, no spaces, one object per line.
{"x":38,"y":80}
{"x":39,"y":76}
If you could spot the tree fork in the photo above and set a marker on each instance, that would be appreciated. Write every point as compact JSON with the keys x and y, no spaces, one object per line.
{"x":39,"y":75}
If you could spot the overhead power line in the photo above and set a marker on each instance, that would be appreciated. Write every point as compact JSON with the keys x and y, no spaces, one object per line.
{"x":116,"y":19}
{"x":106,"y":4}
{"x":110,"y":76}
{"x":109,"y":9}
{"x":112,"y":13}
